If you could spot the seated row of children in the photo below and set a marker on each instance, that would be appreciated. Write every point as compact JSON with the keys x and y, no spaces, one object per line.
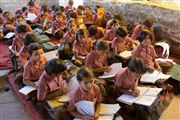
{"x":95,"y":45}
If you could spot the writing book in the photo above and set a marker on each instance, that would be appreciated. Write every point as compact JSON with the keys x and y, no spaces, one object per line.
{"x":27,"y":89}
{"x":50,"y":55}
{"x":115,"y":67}
{"x":153,"y":77}
{"x":31,"y":17}
{"x":147,"y":97}
{"x":106,"y":112}
{"x":126,"y":54}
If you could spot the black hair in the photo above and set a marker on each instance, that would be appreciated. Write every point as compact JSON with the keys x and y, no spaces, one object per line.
{"x":64,"y":51}
{"x":31,"y":3}
{"x":44,"y":8}
{"x":79,"y":32}
{"x":102,"y":45}
{"x":80,"y":7}
{"x":55,"y":66}
{"x":59,"y":34}
{"x":143,"y":35}
{"x":137,"y":65}
{"x":33,"y":47}
{"x":58,"y":13}
{"x":4,"y":14}
{"x":30,"y":38}
{"x":148,"y":23}
{"x":18,"y":16}
{"x":72,"y":14}
{"x":92,"y":30}
{"x":84,"y":73}
{"x":1,"y":11}
{"x":118,"y":17}
{"x":24,"y":9}
{"x":88,"y":7}
{"x":61,"y":8}
{"x":21,"y":28}
{"x":122,"y":32}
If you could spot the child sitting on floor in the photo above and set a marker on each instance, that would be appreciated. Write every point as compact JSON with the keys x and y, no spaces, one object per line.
{"x":146,"y":51}
{"x":97,"y":59}
{"x":51,"y":83}
{"x":127,"y":79}
{"x":35,"y":65}
{"x":86,"y":91}
{"x":81,"y":47}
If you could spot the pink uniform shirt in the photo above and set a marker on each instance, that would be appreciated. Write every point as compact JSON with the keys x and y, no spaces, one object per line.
{"x":48,"y":84}
{"x":79,"y":94}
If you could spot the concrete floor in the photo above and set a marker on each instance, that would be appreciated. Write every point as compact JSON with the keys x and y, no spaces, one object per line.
{"x":11,"y":107}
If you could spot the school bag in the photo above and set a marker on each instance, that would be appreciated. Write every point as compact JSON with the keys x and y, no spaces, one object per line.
{"x":49,"y":46}
{"x":38,"y":31}
{"x":152,"y":112}
{"x":43,"y":39}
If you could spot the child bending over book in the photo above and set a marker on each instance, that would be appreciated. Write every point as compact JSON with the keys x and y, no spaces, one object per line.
{"x":126,"y":81}
{"x":86,"y":91}
{"x":98,"y":59}
{"x":81,"y":47}
{"x":51,"y":83}
{"x":146,"y":51}
{"x":35,"y":65}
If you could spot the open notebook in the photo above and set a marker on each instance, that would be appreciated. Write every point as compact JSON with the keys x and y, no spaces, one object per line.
{"x":26,"y":90}
{"x":106,"y":112}
{"x":9,"y":35}
{"x":50,"y":55}
{"x":31,"y":17}
{"x":153,"y":77}
{"x":147,"y":97}
{"x":126,"y":54}
{"x":115,"y":67}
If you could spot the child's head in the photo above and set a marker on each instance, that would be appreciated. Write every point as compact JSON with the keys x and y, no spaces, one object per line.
{"x":30,"y":38}
{"x":80,"y":9}
{"x":118,"y":17}
{"x":55,"y":67}
{"x":72,"y":14}
{"x":19,"y":19}
{"x":102,"y":47}
{"x":36,"y":51}
{"x":114,"y":24}
{"x":72,"y":27}
{"x":121,"y":32}
{"x":137,"y":66}
{"x":148,"y":23}
{"x":61,"y":8}
{"x":21,"y":30}
{"x":23,"y":9}
{"x":31,"y":4}
{"x":80,"y":35}
{"x":70,"y":2}
{"x":85,"y":78}
{"x":44,"y":9}
{"x":58,"y":16}
{"x":87,"y":9}
{"x":7,"y":15}
{"x":92,"y":30}
{"x":145,"y":38}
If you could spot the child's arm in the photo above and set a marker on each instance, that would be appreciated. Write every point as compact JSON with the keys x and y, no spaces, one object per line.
{"x":28,"y":82}
{"x":57,"y":93}
{"x":103,"y":69}
{"x":97,"y":110}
